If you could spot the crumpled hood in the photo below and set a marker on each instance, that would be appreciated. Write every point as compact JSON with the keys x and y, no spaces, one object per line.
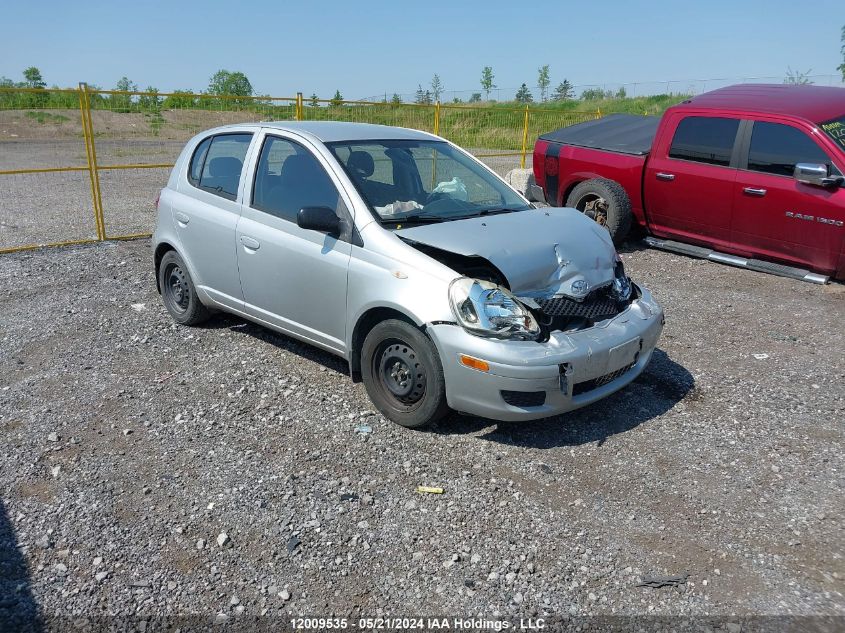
{"x":541,"y":252}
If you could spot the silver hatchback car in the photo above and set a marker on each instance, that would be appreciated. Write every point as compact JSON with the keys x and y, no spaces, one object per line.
{"x":440,"y":285}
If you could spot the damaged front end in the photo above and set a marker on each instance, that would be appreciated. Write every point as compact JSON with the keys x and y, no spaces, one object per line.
{"x":567,"y":314}
{"x":516,"y":285}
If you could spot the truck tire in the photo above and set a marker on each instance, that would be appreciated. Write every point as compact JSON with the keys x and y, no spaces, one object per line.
{"x":606,"y":202}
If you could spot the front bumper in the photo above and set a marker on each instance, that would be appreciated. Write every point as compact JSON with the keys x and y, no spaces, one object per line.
{"x":571,"y":370}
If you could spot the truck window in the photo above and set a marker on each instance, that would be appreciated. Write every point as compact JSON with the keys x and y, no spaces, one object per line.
{"x":776,"y":148}
{"x":705,"y":140}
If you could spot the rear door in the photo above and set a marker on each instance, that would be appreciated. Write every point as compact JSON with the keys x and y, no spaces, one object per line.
{"x":206,"y":213}
{"x":689,"y":178}
{"x":777,"y":216}
{"x":292,"y":278}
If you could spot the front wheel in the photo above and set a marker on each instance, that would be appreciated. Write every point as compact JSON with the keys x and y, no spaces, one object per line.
{"x":606,"y":202}
{"x":403,"y":374}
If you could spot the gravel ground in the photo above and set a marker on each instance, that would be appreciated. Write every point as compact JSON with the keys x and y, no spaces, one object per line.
{"x":44,"y":208}
{"x":155,"y":470}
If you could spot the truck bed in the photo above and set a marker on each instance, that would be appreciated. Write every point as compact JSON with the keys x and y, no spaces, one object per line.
{"x":623,"y":133}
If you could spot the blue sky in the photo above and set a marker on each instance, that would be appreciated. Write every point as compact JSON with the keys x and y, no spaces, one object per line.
{"x":371,"y":48}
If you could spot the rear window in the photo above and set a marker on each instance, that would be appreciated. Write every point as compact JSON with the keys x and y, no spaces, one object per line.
{"x":777,"y":148}
{"x":705,"y":140}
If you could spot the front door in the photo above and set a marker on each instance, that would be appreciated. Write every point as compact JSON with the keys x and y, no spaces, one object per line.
{"x":689,"y":181}
{"x":780,"y":217}
{"x":293,"y":279}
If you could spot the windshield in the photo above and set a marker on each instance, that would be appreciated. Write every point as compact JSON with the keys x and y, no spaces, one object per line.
{"x":835,"y":129}
{"x":422,"y":181}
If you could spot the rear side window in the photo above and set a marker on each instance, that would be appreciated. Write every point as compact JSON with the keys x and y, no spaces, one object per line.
{"x":776,"y":148}
{"x":705,"y":140}
{"x":217,"y":164}
{"x":289,"y":177}
{"x":197,"y":161}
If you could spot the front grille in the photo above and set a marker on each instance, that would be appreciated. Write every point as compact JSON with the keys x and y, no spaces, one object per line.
{"x":588,"y":385}
{"x":596,"y":305}
{"x":524,"y":398}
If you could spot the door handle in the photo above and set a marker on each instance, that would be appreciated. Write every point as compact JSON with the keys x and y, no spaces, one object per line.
{"x":181,"y":218}
{"x":664,"y":176}
{"x":751,"y":191}
{"x":250,"y":243}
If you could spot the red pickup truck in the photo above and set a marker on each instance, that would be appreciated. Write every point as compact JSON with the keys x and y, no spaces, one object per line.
{"x":749,"y":175}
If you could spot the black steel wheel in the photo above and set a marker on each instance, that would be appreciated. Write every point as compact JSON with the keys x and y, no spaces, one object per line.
{"x":403,"y":375}
{"x":178,"y":292}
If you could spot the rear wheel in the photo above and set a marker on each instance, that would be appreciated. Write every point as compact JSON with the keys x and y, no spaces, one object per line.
{"x":403,"y":374}
{"x":606,"y":202}
{"x":178,"y":291}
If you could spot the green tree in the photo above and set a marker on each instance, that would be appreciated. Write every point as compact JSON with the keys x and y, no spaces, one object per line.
{"x":436,"y":87}
{"x":543,"y":81}
{"x":563,"y":91}
{"x":523,"y":95}
{"x":314,"y":100}
{"x":475,"y":97}
{"x":32,"y":78}
{"x":123,"y":103}
{"x":595,"y":94}
{"x":841,"y":66}
{"x":487,"y":80}
{"x":179,"y":99}
{"x":797,"y":78}
{"x":235,"y":83}
{"x":422,"y":97}
{"x":337,"y":99}
{"x":151,"y":100}
{"x":621,"y":93}
{"x":395,"y":99}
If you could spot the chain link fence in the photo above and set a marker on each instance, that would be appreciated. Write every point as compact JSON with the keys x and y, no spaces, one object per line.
{"x":83,"y":165}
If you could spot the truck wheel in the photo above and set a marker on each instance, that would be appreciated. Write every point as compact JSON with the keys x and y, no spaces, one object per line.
{"x":403,"y":375}
{"x":606,"y":202}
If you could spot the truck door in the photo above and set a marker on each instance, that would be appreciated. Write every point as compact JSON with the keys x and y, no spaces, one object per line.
{"x":689,"y":179}
{"x":775,"y":214}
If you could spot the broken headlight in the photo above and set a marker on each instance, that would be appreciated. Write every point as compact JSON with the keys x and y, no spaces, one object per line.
{"x":621,"y":286}
{"x":484,"y":308}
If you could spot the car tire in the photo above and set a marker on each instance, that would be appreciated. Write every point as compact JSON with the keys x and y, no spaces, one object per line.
{"x":606,"y":202}
{"x":178,"y":291}
{"x":403,"y":375}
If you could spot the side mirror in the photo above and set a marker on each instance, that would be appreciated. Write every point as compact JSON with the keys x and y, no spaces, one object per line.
{"x":320,"y":219}
{"x":813,"y":174}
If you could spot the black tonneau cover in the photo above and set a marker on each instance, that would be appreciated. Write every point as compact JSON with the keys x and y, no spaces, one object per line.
{"x":624,"y":133}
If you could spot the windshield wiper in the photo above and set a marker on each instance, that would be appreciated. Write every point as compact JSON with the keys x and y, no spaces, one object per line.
{"x":416,"y":217}
{"x":499,"y":211}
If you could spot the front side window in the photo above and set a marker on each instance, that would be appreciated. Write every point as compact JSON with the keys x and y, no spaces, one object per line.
{"x":705,"y":140}
{"x":777,"y":148}
{"x":288,"y":178}
{"x":423,"y":181}
{"x":217,"y":164}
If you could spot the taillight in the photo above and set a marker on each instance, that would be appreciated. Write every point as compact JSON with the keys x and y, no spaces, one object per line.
{"x":158,"y":197}
{"x":551,"y":166}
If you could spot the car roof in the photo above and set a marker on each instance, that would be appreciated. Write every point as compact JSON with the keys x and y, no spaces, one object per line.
{"x":814,"y":103}
{"x":331,"y":131}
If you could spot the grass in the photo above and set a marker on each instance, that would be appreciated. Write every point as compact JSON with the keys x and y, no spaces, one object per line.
{"x":494,"y":126}
{"x":47,"y":117}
